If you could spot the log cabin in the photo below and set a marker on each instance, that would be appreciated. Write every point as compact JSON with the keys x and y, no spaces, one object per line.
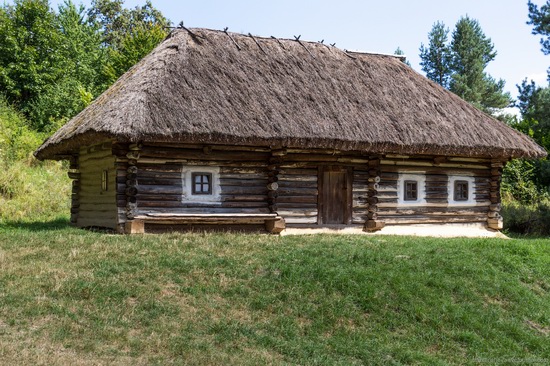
{"x":222,"y":130}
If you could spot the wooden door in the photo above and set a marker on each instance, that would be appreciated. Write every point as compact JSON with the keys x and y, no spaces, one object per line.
{"x":334,"y":195}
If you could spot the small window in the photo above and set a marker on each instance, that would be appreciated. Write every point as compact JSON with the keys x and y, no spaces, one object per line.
{"x":461,"y":190}
{"x":105,"y":180}
{"x":202,"y":183}
{"x":411,"y":190}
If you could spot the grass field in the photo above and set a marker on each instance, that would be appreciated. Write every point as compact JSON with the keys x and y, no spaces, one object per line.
{"x":69,"y":296}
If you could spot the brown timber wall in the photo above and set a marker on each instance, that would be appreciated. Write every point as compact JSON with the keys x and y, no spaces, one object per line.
{"x":299,"y":190}
{"x":97,"y":207}
{"x":242,"y":176}
{"x":437,"y":208}
{"x":149,"y":178}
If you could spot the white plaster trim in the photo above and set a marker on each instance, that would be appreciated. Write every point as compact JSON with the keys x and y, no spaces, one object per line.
{"x":471,"y":188}
{"x":420,"y":177}
{"x":187,"y":192}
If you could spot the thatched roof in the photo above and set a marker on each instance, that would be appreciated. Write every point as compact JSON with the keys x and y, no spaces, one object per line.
{"x":211,"y":87}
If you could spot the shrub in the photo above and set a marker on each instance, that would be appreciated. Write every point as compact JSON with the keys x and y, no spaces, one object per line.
{"x":529,"y":219}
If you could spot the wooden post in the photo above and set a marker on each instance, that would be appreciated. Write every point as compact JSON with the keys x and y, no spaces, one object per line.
{"x":277,"y":157}
{"x":74,"y":174}
{"x":135,"y":227}
{"x":373,"y":223}
{"x":494,"y":220}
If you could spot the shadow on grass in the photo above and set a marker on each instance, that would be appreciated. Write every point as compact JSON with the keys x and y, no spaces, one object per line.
{"x":51,"y":225}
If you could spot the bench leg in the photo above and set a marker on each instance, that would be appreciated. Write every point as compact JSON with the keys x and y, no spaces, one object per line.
{"x":135,"y":227}
{"x":275,"y":226}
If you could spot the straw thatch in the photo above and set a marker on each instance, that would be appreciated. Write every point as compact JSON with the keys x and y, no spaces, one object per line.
{"x":211,"y":87}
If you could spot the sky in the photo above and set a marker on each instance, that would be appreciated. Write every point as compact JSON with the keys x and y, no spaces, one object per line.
{"x":378,"y":26}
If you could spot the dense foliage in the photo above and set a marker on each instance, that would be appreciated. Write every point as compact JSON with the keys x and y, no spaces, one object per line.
{"x":54,"y":63}
{"x":459,"y":65}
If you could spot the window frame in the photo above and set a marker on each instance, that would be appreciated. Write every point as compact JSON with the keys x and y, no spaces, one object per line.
{"x":194,"y":191}
{"x":413,"y":190}
{"x":187,"y":196}
{"x":420,"y":178}
{"x":459,"y":194}
{"x":451,"y":188}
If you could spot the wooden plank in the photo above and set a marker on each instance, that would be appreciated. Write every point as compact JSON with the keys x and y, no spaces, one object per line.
{"x":202,"y":210}
{"x":297,"y":171}
{"x":244,"y":182}
{"x":297,"y":184}
{"x":171,"y":154}
{"x":301,"y":220}
{"x":159,"y":189}
{"x":180,"y":204}
{"x":297,"y":192}
{"x":207,"y":215}
{"x":434,"y":219}
{"x":231,"y":190}
{"x":297,"y":199}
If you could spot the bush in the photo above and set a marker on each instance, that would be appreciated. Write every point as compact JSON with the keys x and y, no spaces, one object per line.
{"x":529,"y":219}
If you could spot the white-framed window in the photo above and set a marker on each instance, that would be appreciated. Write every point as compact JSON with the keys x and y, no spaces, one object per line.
{"x":461,"y":190}
{"x":200,"y":184}
{"x":411,"y":189}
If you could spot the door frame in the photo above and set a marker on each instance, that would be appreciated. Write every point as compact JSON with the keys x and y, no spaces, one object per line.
{"x":348,"y":206}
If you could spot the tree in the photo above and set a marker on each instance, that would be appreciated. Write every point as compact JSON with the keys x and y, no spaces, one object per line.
{"x":54,"y":64}
{"x":435,"y":59}
{"x":399,"y":52}
{"x":29,"y":38}
{"x":460,"y":65}
{"x":471,"y":51}
{"x":129,"y":34}
{"x":539,"y":18}
{"x":82,"y":59}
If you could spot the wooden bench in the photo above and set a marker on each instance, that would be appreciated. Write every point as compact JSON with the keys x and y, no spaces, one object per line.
{"x":273,"y":223}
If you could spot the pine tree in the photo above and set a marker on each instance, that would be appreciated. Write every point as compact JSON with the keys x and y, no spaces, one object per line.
{"x":539,"y":18}
{"x":435,"y":58}
{"x":460,"y":65}
{"x":400,"y":52}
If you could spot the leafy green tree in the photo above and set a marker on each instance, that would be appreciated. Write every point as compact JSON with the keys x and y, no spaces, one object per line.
{"x":534,"y":105}
{"x":436,"y":57}
{"x":54,"y":64}
{"x":539,"y":18}
{"x":82,"y":58}
{"x":29,"y":61}
{"x":129,"y":34}
{"x":471,"y":51}
{"x":460,"y":65}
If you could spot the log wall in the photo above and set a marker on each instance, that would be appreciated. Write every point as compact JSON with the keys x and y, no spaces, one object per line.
{"x":299,"y":188}
{"x":243,"y":179}
{"x":437,"y":208}
{"x":255,"y":180}
{"x":96,"y":206}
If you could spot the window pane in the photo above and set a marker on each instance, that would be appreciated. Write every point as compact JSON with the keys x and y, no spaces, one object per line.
{"x":461,"y":190}
{"x":201,"y":183}
{"x":411,"y":190}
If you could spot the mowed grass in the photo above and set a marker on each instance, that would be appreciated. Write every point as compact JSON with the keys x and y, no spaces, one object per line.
{"x":69,"y":296}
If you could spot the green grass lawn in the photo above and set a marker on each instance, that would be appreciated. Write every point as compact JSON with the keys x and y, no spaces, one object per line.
{"x":69,"y":296}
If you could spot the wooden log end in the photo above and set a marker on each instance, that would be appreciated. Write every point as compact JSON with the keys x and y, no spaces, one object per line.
{"x":374,"y":225}
{"x":134,"y":227}
{"x":495,"y":224}
{"x":275,"y":226}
